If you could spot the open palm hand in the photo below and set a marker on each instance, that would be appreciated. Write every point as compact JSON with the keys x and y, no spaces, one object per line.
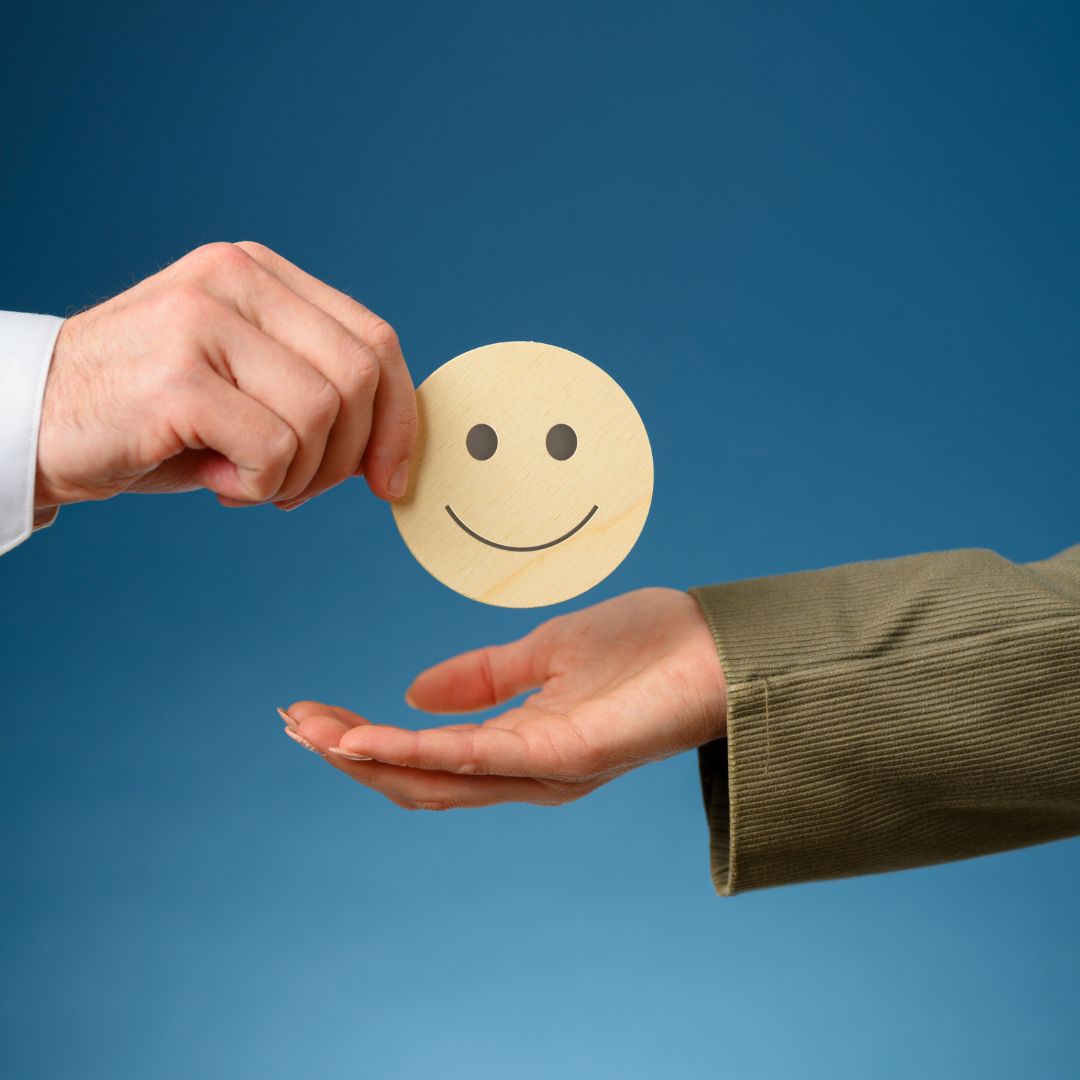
{"x":631,"y":680}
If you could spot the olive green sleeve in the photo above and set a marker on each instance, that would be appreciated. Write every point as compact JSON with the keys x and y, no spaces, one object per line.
{"x":893,"y":714}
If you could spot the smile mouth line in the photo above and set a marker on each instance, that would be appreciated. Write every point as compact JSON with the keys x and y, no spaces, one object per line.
{"x":532,"y":547}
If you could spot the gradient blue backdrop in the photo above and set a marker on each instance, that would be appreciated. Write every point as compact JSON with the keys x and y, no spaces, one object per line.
{"x":830,"y":250}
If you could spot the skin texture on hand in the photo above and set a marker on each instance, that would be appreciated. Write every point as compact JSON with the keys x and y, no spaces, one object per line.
{"x":231,"y":370}
{"x":631,"y":680}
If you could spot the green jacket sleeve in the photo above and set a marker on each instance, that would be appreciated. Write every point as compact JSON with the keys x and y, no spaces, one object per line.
{"x":893,"y":714}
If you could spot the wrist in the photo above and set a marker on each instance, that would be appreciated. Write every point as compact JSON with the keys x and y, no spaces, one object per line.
{"x":708,"y":678}
{"x":61,"y":428}
{"x":714,"y":693}
{"x":48,"y":495}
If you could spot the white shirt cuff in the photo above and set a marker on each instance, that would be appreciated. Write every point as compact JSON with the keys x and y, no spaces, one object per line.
{"x":26,"y":348}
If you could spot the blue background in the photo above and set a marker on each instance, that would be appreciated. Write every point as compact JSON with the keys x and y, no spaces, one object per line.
{"x":830,"y":250}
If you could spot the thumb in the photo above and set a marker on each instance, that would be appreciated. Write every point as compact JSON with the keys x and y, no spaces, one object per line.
{"x":179,"y":473}
{"x":481,"y":678}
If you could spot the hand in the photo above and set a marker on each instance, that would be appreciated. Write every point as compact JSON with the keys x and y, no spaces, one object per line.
{"x":231,"y":370}
{"x":632,"y":680}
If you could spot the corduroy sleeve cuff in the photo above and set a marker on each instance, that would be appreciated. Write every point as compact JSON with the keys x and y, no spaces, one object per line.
{"x":894,"y":714}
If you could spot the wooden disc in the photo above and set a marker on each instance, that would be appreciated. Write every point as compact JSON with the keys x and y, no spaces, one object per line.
{"x":532,"y":478}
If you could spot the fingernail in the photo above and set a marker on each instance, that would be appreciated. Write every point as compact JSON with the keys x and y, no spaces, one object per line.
{"x":399,"y":481}
{"x":351,"y":757}
{"x":302,"y":741}
{"x":409,"y":699}
{"x":294,"y":505}
{"x":290,"y":720}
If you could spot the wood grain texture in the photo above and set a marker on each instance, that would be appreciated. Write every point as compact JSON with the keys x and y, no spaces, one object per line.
{"x":521,"y":528}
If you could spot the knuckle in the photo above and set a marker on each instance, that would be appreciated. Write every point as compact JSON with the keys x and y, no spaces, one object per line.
{"x":362,"y":368}
{"x":384,"y":338}
{"x":259,"y":252}
{"x":219,"y":258}
{"x":280,"y":448}
{"x":262,"y":486}
{"x":325,"y":405}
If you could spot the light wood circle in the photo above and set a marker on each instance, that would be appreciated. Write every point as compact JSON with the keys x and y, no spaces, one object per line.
{"x":532,"y":478}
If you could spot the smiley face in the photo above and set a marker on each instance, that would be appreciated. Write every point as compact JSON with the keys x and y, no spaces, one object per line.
{"x":532,"y":478}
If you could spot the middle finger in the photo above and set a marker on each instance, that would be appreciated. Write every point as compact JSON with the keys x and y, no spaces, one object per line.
{"x":418,"y":789}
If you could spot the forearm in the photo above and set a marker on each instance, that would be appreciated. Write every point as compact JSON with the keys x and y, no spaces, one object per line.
{"x":895,"y":714}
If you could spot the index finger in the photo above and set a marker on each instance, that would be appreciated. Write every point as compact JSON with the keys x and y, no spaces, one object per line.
{"x":392,"y":440}
{"x":481,"y":750}
{"x":479,"y":679}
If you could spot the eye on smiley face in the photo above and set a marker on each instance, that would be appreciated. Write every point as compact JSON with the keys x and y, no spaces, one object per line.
{"x":482,"y":442}
{"x":532,"y":477}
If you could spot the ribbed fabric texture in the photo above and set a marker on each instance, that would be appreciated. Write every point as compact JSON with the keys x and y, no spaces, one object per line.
{"x":893,"y":714}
